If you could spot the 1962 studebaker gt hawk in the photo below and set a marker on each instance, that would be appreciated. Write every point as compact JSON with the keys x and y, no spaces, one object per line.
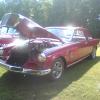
{"x":43,"y":51}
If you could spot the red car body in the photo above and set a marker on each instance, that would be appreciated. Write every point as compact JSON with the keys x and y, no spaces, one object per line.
{"x":41,"y":51}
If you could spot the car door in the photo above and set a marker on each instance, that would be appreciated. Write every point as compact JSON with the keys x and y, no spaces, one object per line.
{"x":73,"y":53}
{"x":75,"y":49}
{"x":88,"y":44}
{"x":80,"y":39}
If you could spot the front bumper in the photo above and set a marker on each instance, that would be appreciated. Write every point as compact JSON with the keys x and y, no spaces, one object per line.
{"x":24,"y":70}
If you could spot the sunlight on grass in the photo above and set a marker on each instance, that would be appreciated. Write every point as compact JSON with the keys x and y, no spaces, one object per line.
{"x":2,"y":71}
{"x":98,"y":51}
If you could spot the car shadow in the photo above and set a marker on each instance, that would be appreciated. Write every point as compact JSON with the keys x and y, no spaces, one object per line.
{"x":40,"y":88}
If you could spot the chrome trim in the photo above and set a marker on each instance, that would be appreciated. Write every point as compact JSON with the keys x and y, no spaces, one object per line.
{"x":24,"y":70}
{"x":77,"y":61}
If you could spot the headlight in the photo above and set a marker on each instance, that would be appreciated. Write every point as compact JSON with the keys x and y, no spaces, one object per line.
{"x":42,"y":57}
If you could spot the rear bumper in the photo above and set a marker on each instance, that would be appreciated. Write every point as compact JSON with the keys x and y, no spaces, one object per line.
{"x":24,"y":70}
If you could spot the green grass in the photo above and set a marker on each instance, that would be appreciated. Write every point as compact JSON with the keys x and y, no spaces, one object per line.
{"x":80,"y":82}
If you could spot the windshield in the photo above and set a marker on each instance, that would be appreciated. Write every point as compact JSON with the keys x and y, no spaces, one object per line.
{"x":64,"y":34}
{"x":8,"y":31}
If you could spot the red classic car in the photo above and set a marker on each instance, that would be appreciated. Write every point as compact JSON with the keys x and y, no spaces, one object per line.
{"x":44,"y":51}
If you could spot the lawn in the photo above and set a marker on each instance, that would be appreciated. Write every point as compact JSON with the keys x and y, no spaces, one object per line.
{"x":80,"y":82}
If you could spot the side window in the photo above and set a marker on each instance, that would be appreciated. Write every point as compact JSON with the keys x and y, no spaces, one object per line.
{"x":88,"y":35}
{"x":78,"y":36}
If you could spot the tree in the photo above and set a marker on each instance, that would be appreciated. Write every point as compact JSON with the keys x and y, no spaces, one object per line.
{"x":57,"y":12}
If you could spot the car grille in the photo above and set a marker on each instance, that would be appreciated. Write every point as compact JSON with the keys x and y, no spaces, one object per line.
{"x":18,"y":58}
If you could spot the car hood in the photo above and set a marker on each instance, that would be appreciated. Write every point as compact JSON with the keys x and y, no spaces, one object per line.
{"x":26,"y":27}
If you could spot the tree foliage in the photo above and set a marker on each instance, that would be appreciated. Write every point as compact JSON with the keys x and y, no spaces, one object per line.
{"x":84,"y":13}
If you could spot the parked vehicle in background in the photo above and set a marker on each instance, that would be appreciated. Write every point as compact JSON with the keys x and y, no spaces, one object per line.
{"x":7,"y":35}
{"x":45,"y":51}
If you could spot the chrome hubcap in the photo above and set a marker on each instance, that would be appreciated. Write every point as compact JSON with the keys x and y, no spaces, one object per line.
{"x":94,"y":54}
{"x":57,"y":70}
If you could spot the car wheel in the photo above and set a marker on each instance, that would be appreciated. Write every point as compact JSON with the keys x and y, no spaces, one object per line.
{"x":57,"y":69}
{"x":93,"y":54}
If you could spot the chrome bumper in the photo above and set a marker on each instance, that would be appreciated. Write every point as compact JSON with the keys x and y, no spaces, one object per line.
{"x":24,"y":70}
